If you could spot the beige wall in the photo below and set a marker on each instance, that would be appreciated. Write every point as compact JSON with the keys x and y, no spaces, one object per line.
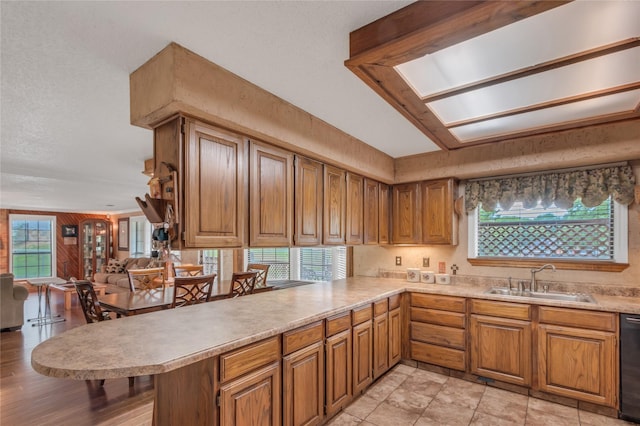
{"x":369,"y":260}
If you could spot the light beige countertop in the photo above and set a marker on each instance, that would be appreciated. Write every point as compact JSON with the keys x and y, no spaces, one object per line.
{"x":162,"y":341}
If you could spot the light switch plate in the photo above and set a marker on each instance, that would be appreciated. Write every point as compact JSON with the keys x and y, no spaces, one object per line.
{"x":425,"y":262}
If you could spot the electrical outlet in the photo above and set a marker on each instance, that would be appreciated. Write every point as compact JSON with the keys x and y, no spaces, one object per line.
{"x":425,"y":262}
{"x":398,"y":260}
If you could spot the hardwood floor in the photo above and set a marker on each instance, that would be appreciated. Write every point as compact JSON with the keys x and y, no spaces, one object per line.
{"x":29,"y":398}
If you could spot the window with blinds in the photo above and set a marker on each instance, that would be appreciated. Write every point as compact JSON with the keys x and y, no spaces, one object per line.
{"x":576,"y":233}
{"x":278,"y":258}
{"x":323,"y":264}
{"x":210,"y":261}
{"x":307,"y":264}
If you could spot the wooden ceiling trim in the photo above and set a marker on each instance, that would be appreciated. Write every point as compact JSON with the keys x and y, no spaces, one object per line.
{"x":392,"y":88}
{"x":544,"y":105}
{"x":536,"y":69}
{"x":403,"y":22}
{"x":418,"y":29}
{"x":455,"y":23}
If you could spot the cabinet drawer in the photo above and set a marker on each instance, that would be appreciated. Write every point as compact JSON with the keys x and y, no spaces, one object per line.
{"x":338,"y":323}
{"x":301,"y":337}
{"x":435,"y":301}
{"x":248,"y":358}
{"x":438,"y":355}
{"x":501,"y":309}
{"x":380,"y":307}
{"x":361,"y":315}
{"x":394,"y":302}
{"x":438,"y":335}
{"x":434,"y":316}
{"x":605,"y":321}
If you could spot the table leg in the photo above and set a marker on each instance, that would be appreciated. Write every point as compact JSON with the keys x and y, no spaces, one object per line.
{"x":67,"y":300}
{"x":39,"y":318}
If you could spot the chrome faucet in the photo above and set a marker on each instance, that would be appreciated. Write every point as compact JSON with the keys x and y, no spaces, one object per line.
{"x":534,"y":285}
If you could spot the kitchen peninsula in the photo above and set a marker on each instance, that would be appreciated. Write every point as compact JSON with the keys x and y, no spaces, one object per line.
{"x":206,"y":350}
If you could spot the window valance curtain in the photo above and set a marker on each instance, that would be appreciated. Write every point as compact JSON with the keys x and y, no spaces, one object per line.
{"x":563,"y":188}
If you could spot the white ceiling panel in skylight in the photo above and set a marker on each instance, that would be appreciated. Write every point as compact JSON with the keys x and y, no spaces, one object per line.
{"x":541,"y":38}
{"x":594,"y":75}
{"x":551,"y":116}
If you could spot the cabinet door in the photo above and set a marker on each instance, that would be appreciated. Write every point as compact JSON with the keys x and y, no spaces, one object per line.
{"x":308,"y":202}
{"x":406,"y":214}
{"x":371,"y":212}
{"x":380,"y":345}
{"x":439,"y":222}
{"x":334,"y":206}
{"x":354,"y":212}
{"x":490,"y":336}
{"x":362,"y":356}
{"x":578,"y":363}
{"x":303,"y":383}
{"x":384,"y":210}
{"x":271,"y":196}
{"x":253,"y":399}
{"x":395,"y":337}
{"x":338,"y":371}
{"x":215,"y":187}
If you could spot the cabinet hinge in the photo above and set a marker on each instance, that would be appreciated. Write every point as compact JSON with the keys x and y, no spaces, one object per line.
{"x":218,"y":400}
{"x":183,"y":128}
{"x":184,"y":235}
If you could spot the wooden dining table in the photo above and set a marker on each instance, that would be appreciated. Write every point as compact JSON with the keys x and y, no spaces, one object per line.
{"x":137,"y":302}
{"x":155,"y":299}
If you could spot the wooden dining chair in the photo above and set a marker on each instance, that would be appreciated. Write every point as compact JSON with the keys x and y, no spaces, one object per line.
{"x":89,"y":302}
{"x":187,"y":270}
{"x":242,"y":283}
{"x":144,"y":279}
{"x":192,"y":290}
{"x":262,"y":272}
{"x":91,"y":308}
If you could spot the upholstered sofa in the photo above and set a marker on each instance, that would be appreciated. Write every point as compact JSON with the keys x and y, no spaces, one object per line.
{"x":12,"y":297}
{"x":114,"y":274}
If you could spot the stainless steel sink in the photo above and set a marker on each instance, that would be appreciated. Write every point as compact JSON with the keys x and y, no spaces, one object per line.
{"x":569,"y":297}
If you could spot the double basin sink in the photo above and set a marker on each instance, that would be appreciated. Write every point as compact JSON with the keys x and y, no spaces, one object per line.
{"x":568,"y":297}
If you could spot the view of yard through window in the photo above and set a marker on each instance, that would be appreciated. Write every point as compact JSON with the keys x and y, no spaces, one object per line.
{"x":576,"y":233}
{"x":32,"y":246}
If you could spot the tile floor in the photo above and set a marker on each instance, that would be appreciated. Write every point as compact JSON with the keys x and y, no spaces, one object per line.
{"x":410,"y":396}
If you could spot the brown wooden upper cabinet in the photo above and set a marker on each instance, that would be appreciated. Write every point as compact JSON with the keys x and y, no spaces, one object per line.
{"x":407,"y":226}
{"x":334,"y":206}
{"x":384,"y":214}
{"x":423,"y":213}
{"x":214,"y":209}
{"x":354,"y":213}
{"x":308,"y":185}
{"x":271,"y":196}
{"x":439,"y":222}
{"x":371,"y":214}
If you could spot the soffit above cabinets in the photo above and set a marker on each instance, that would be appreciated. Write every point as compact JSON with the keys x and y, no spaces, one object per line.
{"x":472,"y":72}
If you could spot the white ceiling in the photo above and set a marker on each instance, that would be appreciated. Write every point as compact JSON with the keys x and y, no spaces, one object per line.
{"x":66,"y":141}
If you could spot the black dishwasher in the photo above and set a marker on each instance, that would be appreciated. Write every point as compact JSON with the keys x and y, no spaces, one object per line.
{"x":630,"y":367}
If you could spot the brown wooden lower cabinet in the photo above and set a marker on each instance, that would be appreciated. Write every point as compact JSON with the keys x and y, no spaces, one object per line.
{"x":253,"y":399}
{"x":303,"y":386}
{"x":501,"y":349}
{"x":338,"y":371}
{"x":577,"y":363}
{"x":362,"y":356}
{"x":395,"y":337}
